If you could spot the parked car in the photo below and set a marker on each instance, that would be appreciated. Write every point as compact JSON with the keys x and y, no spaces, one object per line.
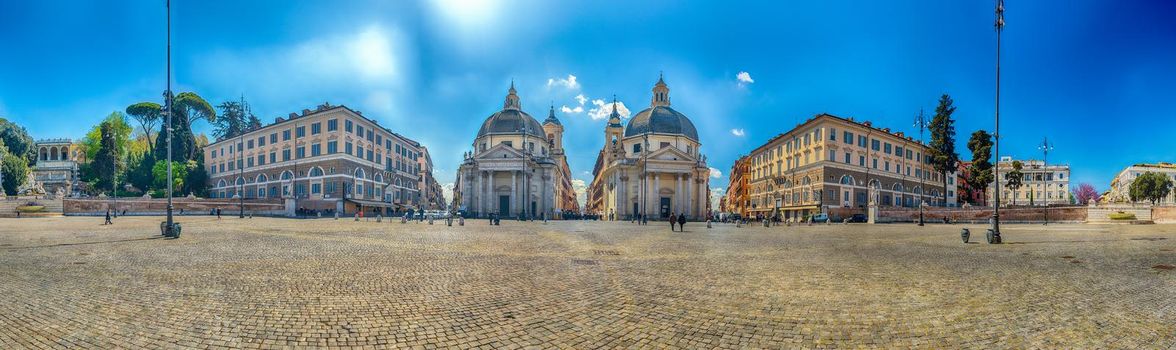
{"x":858,"y":218}
{"x":820,"y":218}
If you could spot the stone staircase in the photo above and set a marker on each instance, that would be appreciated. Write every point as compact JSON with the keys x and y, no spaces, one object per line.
{"x":1101,"y":215}
{"x":53,"y":207}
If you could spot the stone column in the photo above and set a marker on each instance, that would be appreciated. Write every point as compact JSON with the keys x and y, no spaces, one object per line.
{"x":514,"y":191}
{"x":655,"y":196}
{"x":690,"y":187}
{"x":679,"y":197}
{"x":475,"y":193}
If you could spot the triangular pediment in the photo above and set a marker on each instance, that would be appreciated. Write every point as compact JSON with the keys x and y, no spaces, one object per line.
{"x":670,"y":153}
{"x":501,"y":151}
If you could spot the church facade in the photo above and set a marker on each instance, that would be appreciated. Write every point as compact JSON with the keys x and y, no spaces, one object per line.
{"x":516,"y":167}
{"x":653,"y":165}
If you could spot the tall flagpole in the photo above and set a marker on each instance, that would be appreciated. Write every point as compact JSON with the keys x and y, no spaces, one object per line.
{"x":995,"y":235}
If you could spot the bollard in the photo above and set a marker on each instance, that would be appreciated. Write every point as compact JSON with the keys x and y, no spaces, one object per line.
{"x":449,"y":221}
{"x":461,"y":221}
{"x":708,"y":223}
{"x":965,"y":234}
{"x":767,"y":223}
{"x":738,"y":223}
{"x":989,"y":236}
{"x":379,"y":218}
{"x":403,"y":219}
{"x":336,"y":215}
{"x":430,"y":220}
{"x":356,"y":216}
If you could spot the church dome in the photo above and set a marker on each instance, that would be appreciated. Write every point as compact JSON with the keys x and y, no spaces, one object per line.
{"x":661,"y":120}
{"x":511,"y":119}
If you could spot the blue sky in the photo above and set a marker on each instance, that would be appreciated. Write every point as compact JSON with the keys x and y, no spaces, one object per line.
{"x":1096,"y":77}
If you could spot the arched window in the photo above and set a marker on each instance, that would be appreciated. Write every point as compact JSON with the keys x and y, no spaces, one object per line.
{"x":804,"y":181}
{"x":53,"y":153}
{"x":846,"y":180}
{"x":240,"y":181}
{"x":44,"y":153}
{"x":919,"y":190}
{"x":316,"y":172}
{"x":287,"y":175}
{"x":359,"y":174}
{"x":261,"y":178}
{"x":874,"y":184}
{"x":379,"y":178}
{"x":221,"y":183}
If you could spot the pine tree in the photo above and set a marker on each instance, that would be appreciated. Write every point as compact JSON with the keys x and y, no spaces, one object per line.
{"x":944,"y":156}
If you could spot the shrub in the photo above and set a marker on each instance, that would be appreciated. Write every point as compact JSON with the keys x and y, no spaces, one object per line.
{"x":30,"y":208}
{"x":1121,"y":216}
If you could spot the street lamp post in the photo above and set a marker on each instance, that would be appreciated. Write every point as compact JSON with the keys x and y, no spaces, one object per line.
{"x":921,"y":123}
{"x":170,"y":228}
{"x":996,"y":131}
{"x":1045,"y":148}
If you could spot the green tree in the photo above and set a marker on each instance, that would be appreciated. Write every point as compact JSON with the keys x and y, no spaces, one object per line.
{"x":235,"y":119}
{"x":196,"y":178}
{"x":139,"y":172}
{"x":148,"y":114}
{"x":105,"y":161}
{"x":16,"y":171}
{"x":981,"y":168}
{"x":1015,"y":179}
{"x":944,"y":156}
{"x":1150,"y":186}
{"x":121,"y":132}
{"x":179,"y":172}
{"x":187,"y":109}
{"x":17,"y":140}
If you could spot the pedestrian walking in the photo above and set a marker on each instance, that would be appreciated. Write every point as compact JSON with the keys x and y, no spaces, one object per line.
{"x":218,"y":211}
{"x":673,"y":221}
{"x":682,"y":223}
{"x":108,"y":222}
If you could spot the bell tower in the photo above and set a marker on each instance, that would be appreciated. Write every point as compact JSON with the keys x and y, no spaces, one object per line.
{"x":613,"y":132}
{"x":554,"y":130}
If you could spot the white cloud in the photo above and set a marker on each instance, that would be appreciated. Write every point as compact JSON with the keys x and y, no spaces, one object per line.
{"x":738,"y":132}
{"x":715,"y":173}
{"x":603,"y":110}
{"x":569,"y":82}
{"x":581,"y":99}
{"x":568,"y":110}
{"x":744,"y":78}
{"x":581,"y":189}
{"x":369,"y":64}
{"x":715,"y":194}
{"x":447,"y":191}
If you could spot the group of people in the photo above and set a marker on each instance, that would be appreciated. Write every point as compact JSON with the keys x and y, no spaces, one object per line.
{"x":680,"y":220}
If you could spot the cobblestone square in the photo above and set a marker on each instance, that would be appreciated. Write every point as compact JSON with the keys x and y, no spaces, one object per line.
{"x":281,"y":283}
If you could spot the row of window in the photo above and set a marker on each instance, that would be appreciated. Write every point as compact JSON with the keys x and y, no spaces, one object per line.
{"x":315,"y":129}
{"x":316,"y":150}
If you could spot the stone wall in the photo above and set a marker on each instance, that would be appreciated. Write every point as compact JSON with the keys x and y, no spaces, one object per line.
{"x":984,"y":214}
{"x":1164,"y":215}
{"x":158,"y":206}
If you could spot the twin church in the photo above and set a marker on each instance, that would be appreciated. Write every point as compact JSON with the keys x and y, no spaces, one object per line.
{"x":652,"y":166}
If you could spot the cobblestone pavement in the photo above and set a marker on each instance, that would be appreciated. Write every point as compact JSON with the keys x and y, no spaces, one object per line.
{"x":280,"y":283}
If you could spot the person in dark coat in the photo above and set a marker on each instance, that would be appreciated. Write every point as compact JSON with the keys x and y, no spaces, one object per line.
{"x":673,"y":221}
{"x":108,"y":222}
{"x":682,"y":223}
